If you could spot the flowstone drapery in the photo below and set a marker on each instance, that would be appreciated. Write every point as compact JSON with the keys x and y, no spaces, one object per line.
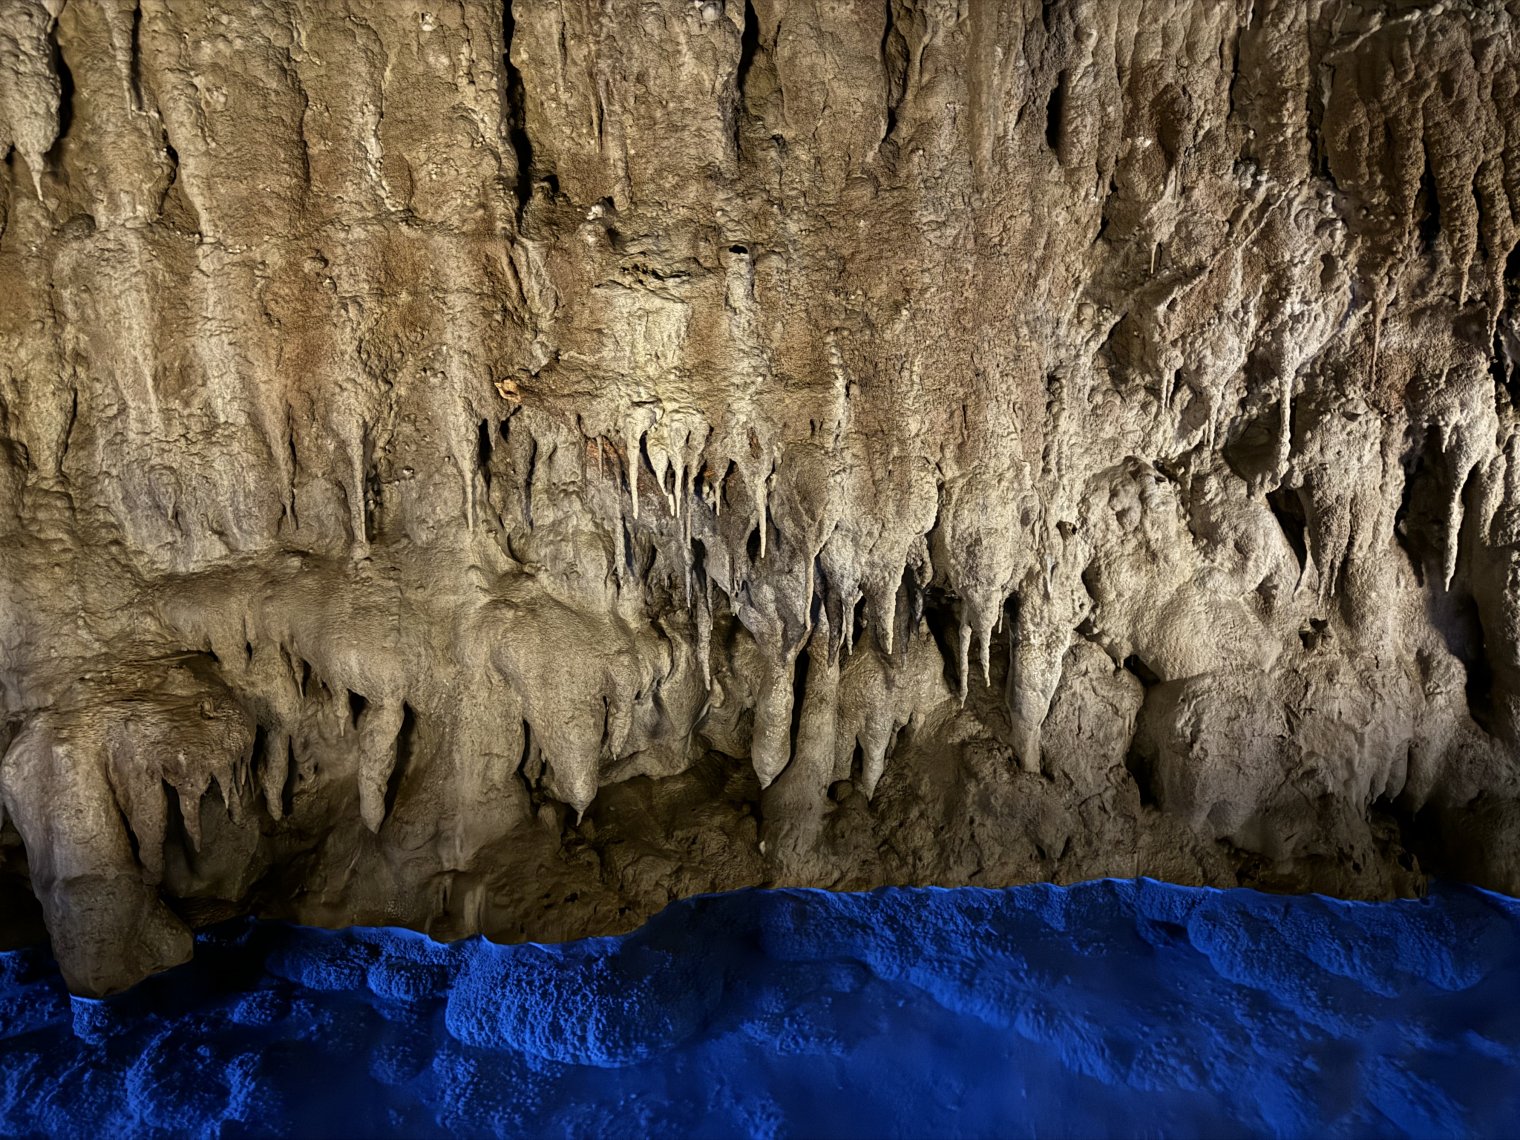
{"x":500,"y":470}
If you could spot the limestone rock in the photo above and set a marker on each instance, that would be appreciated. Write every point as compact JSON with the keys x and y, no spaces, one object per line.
{"x":501,"y":466}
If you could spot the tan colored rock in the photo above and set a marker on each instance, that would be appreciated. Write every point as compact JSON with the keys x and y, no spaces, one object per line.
{"x":504,"y":467}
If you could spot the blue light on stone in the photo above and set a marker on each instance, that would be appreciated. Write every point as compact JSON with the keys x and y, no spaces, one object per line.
{"x":1109,"y":1008}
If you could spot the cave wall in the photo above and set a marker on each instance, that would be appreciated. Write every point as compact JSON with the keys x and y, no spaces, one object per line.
{"x":502,"y":468}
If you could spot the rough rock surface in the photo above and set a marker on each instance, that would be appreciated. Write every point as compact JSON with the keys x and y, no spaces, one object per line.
{"x":1107,"y":1008}
{"x":484,"y":469}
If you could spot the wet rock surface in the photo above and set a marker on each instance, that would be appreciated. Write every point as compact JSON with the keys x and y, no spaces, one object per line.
{"x":487,"y":468}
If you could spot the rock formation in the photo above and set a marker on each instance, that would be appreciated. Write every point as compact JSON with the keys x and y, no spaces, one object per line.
{"x":502,"y":468}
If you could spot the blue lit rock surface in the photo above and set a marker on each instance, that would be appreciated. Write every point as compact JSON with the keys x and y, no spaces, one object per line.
{"x":1115,"y":1007}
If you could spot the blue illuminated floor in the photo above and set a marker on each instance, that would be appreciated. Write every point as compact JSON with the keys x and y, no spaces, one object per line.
{"x":1111,"y":1008}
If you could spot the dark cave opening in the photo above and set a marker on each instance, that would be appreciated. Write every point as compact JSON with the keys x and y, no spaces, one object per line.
{"x":65,"y":98}
{"x":1141,"y":670}
{"x":940,"y":617}
{"x":1055,"y":111}
{"x":800,"y":673}
{"x":749,"y":44}
{"x":516,"y":112}
{"x":1287,"y":508}
{"x":1137,"y":759}
{"x":1427,"y":209}
{"x":483,"y":450}
{"x":406,"y":746}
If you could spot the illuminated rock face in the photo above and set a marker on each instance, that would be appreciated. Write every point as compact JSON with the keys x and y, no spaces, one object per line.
{"x":499,"y":471}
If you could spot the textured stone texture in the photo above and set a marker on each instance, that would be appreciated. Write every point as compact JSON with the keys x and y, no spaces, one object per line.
{"x":500,"y":470}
